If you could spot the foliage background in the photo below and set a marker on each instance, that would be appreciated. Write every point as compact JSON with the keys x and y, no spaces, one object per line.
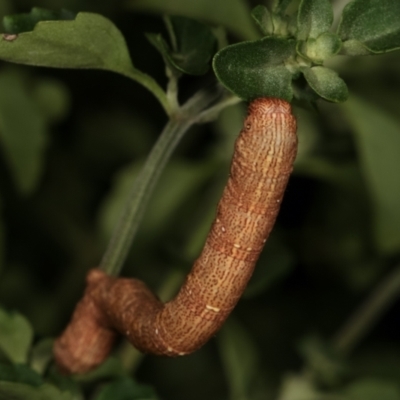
{"x":81,"y":136}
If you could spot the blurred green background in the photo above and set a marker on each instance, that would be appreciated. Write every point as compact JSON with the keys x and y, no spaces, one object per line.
{"x":71,"y":143}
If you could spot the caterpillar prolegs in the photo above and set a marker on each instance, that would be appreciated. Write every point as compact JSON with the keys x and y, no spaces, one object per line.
{"x":262,"y":163}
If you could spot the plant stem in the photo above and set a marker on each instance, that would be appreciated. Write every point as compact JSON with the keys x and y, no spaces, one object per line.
{"x":149,"y":83}
{"x":144,"y":184}
{"x":131,"y":216}
{"x":172,"y":91}
{"x":361,"y":322}
{"x":211,"y":113}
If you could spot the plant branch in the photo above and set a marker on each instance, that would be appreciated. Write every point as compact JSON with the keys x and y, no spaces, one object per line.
{"x":144,"y":184}
{"x":361,"y":322}
{"x":149,"y":83}
{"x":172,"y":90}
{"x":211,"y":113}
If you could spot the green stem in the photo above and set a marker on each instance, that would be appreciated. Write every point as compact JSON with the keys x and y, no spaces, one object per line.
{"x":172,"y":90}
{"x":212,"y":113}
{"x":131,"y":217}
{"x":149,"y":83}
{"x":144,"y":184}
{"x":361,"y":322}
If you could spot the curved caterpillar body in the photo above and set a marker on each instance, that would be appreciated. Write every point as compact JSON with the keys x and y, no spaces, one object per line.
{"x":263,"y":160}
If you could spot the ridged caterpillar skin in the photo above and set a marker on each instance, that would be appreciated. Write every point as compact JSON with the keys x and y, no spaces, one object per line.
{"x":262,"y":163}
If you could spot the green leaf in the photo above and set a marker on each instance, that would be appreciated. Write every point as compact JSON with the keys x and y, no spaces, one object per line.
{"x":274,"y":24}
{"x":20,"y":391}
{"x":193,"y":45}
{"x":16,"y":336}
{"x":109,"y":370}
{"x":326,"y":83}
{"x":370,"y":26}
{"x":256,"y":69}
{"x":161,"y":45}
{"x":126,"y":389}
{"x":323,"y":47}
{"x":19,"y":374}
{"x":65,"y":383}
{"x":280,"y":6}
{"x":21,"y":382}
{"x":232,"y":14}
{"x":239,"y":358}
{"x":301,"y":387}
{"x":23,"y":132}
{"x":263,"y":18}
{"x":26,"y":22}
{"x":354,"y":48}
{"x":378,"y":142}
{"x":373,"y":389}
{"x":41,"y":355}
{"x":314,"y":18}
{"x":90,"y":41}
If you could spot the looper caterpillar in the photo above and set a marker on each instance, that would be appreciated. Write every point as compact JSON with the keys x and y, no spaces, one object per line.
{"x":262,"y":163}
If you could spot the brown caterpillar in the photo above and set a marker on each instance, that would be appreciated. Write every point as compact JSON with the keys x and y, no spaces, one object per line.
{"x":262,"y":163}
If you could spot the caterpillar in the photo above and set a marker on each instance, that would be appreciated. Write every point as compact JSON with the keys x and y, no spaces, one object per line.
{"x":263,"y":159}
